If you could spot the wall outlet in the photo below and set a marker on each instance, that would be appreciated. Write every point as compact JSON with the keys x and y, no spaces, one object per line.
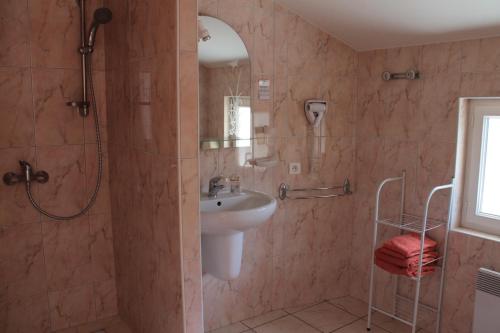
{"x":294,"y":168}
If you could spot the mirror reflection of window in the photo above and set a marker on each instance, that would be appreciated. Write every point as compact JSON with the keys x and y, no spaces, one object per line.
{"x":237,"y":120}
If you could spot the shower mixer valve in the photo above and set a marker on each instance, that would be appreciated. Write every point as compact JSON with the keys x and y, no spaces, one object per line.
{"x":26,"y":175}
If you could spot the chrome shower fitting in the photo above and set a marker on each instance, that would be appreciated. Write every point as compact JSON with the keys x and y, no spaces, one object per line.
{"x":26,"y":175}
{"x":101,"y":16}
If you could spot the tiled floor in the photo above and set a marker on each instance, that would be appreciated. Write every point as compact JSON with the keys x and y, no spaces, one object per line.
{"x":110,"y":325}
{"x":340,"y":315}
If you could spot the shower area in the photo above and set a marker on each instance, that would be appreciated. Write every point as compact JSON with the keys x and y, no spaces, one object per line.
{"x":94,"y":185}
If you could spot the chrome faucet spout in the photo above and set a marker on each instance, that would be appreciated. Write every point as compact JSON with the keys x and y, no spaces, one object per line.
{"x":214,"y":186}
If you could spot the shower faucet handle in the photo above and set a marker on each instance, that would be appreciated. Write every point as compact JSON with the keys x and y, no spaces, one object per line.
{"x":11,"y":178}
{"x":26,"y":175}
{"x":41,"y":177}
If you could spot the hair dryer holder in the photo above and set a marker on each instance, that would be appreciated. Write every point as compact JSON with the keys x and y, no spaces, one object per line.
{"x":315,"y":110}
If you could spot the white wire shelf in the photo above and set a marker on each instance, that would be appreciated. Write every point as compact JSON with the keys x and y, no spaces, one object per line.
{"x":412,"y":223}
{"x":403,"y":311}
{"x":407,"y":310}
{"x":437,"y":270}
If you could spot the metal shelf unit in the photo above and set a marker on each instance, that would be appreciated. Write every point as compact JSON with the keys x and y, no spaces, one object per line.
{"x":420,"y":225}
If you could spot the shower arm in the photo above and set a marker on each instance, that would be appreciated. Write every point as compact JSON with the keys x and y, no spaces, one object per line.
{"x":83,"y":105}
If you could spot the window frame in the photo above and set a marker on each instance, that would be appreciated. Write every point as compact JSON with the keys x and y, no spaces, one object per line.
{"x":479,"y":109}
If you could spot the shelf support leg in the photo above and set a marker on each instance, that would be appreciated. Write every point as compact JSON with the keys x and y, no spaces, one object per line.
{"x":445,"y":252}
{"x":372,"y":263}
{"x":401,"y":214}
{"x":372,"y":276}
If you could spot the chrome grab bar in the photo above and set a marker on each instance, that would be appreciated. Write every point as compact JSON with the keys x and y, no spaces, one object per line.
{"x":284,"y":189}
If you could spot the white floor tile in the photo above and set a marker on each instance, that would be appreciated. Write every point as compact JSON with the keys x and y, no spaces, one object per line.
{"x":287,"y":324}
{"x":265,"y":318}
{"x":359,"y":327}
{"x":326,"y":317}
{"x":294,"y":309}
{"x":234,"y":328}
{"x":351,"y":305}
{"x":389,"y":324}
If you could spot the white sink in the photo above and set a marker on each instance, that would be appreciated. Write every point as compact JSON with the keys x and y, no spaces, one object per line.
{"x":223,"y":222}
{"x":232,"y":213}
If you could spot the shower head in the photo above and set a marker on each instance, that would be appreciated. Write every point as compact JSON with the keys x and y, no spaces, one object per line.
{"x":101,"y":16}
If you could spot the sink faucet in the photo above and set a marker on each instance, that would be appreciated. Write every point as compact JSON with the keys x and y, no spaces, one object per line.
{"x":214,"y":187}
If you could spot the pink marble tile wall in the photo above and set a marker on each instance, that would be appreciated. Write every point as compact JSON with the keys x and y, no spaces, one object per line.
{"x":412,"y":125}
{"x":189,"y":168}
{"x":142,"y":65}
{"x":53,"y":275}
{"x":302,"y":254}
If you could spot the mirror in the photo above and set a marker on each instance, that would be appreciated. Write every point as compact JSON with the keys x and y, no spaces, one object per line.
{"x":224,"y":86}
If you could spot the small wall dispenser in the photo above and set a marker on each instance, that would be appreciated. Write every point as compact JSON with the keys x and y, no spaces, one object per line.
{"x":315,"y":110}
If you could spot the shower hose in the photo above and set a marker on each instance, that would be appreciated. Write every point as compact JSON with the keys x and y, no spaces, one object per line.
{"x":93,"y":198}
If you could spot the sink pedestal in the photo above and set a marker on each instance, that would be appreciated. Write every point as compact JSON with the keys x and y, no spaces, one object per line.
{"x":224,"y":220}
{"x":221,"y":254}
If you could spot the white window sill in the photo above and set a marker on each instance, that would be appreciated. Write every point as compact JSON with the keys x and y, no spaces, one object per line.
{"x":475,"y":233}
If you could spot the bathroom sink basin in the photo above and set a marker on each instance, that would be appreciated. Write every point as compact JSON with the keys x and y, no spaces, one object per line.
{"x":232,"y":213}
{"x":223,"y":222}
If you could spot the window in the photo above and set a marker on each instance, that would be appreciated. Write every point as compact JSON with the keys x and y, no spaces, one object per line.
{"x":482,"y":185}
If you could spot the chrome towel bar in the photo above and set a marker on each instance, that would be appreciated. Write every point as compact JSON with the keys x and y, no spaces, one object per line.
{"x":284,"y":189}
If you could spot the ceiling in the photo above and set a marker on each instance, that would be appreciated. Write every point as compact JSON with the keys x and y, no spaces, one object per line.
{"x":225,"y":45}
{"x":378,"y":24}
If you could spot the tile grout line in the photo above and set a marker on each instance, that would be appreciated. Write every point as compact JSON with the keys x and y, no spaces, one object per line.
{"x":305,"y":308}
{"x":292,"y":315}
{"x":248,"y":327}
{"x":341,"y":327}
{"x":288,"y":313}
{"x":338,"y":307}
{"x":267,"y":322}
{"x":357,"y":316}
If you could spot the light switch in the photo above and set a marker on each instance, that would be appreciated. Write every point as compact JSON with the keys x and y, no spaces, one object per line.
{"x":294,"y":168}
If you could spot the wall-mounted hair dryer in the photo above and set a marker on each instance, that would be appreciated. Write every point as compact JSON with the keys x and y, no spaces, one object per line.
{"x":315,"y":111}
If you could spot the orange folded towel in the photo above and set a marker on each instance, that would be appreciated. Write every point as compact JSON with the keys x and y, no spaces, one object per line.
{"x":398,"y":255}
{"x":412,"y":262}
{"x":407,"y":271}
{"x":409,"y":245}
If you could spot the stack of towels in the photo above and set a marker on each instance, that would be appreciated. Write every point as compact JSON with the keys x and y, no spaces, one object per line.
{"x":400,"y":255}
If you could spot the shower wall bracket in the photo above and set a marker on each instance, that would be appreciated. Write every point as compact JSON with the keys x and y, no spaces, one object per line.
{"x":27,"y":175}
{"x":82,"y":106}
